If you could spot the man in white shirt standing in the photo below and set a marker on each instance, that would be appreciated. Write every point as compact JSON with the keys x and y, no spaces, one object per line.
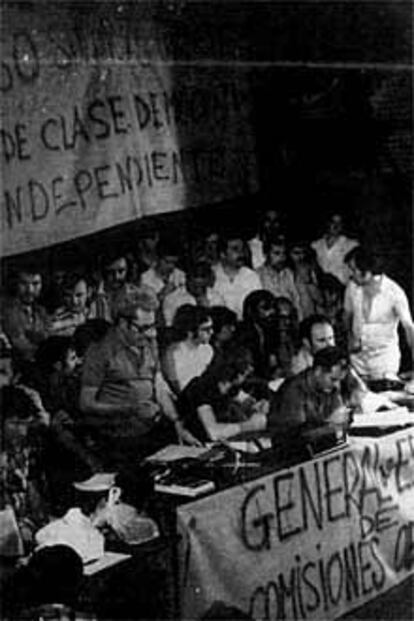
{"x":234,"y":281}
{"x":375,"y":305}
{"x":332,"y":247}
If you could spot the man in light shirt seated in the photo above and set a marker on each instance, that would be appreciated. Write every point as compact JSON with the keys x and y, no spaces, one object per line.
{"x":164,"y":277}
{"x":190,"y":353}
{"x":234,"y":281}
{"x":275,"y":276}
{"x":197,"y":292}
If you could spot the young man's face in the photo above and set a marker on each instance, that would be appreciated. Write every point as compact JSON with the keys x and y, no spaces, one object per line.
{"x":77,"y":298}
{"x":277,"y":256}
{"x":204,"y":332}
{"x":71,"y":362}
{"x":322,"y":335}
{"x":329,"y":381}
{"x":265,"y":312}
{"x":358,"y":276}
{"x":232,"y":386}
{"x":298,"y":254}
{"x":197,"y":286}
{"x":29,"y":287}
{"x":234,"y":254}
{"x":116,"y":273}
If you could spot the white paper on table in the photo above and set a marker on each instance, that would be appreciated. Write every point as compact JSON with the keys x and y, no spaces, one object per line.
{"x":388,"y":418}
{"x":174,"y":452}
{"x":103,"y":562}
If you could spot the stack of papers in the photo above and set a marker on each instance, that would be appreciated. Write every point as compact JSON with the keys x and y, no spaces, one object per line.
{"x":389,"y":418}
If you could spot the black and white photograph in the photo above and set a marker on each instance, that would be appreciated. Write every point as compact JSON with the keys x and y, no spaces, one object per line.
{"x":206,"y":310}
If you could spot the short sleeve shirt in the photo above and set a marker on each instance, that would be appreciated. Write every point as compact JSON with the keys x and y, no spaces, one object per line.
{"x":331,"y":258}
{"x":123,"y":375}
{"x":235,"y":290}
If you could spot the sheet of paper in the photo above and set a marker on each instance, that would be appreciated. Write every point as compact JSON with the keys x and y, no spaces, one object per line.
{"x":107,"y":560}
{"x":173,"y":452}
{"x":389,"y":418}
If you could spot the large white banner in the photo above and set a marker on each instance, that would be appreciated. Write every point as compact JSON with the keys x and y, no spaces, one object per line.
{"x":309,"y":542}
{"x":100,"y":125}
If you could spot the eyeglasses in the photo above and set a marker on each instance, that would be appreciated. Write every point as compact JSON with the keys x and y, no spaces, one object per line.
{"x":141,"y":328}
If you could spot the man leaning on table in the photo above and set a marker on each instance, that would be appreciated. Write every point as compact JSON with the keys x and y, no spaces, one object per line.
{"x":317,"y":332}
{"x":312,"y":404}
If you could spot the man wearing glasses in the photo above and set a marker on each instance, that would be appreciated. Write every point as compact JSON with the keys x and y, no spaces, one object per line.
{"x":127,"y":404}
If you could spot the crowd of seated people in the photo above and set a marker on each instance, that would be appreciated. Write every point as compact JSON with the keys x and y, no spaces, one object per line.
{"x":150,"y":348}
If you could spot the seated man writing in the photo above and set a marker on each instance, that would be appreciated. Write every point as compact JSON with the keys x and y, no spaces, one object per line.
{"x":211,"y":406}
{"x":312,"y":404}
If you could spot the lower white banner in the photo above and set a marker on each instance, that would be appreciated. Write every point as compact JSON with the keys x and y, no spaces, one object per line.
{"x":309,"y":542}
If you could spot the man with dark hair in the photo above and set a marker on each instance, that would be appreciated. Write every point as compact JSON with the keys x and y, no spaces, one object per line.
{"x":257,"y":332}
{"x":164,"y":277}
{"x":316,"y":332}
{"x":313,"y":398}
{"x":375,"y":305}
{"x":234,"y":281}
{"x":275,"y":275}
{"x":25,"y":321}
{"x":332,"y":247}
{"x":271,"y":223}
{"x":197,"y":292}
{"x":74,"y":312}
{"x":224,"y":327}
{"x":208,"y":404}
{"x":125,"y":400}
{"x":114,"y":286}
